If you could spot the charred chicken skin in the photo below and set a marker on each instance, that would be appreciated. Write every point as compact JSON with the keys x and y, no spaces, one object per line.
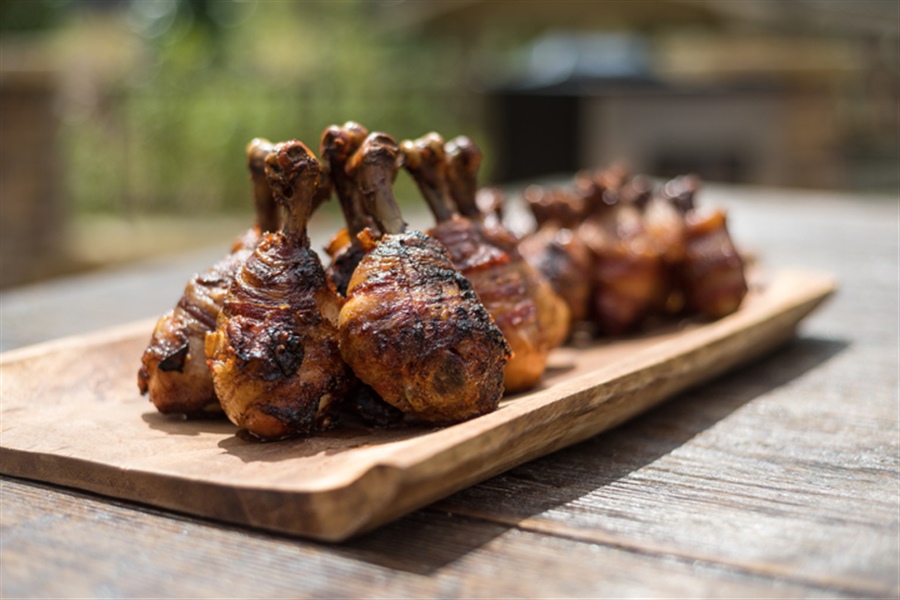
{"x":497,"y":277}
{"x":173,"y":367}
{"x":563,"y":259}
{"x":412,"y":327}
{"x":712,"y":272}
{"x":629,"y":274}
{"x":556,"y":250}
{"x":651,"y":251}
{"x":274,"y":354}
{"x":463,"y":161}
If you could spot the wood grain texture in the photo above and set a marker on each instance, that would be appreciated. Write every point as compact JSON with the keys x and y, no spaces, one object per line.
{"x":86,"y":427}
{"x":791,"y":490}
{"x":788,"y":468}
{"x":87,"y":546}
{"x":731,"y":474}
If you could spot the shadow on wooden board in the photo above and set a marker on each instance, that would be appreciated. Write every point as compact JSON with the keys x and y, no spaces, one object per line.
{"x":452,"y":528}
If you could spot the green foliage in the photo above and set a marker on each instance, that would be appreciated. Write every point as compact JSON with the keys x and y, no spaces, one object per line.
{"x":31,"y":15}
{"x":171,"y":136}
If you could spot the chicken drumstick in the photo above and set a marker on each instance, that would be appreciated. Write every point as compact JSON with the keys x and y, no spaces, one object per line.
{"x":712,"y":272}
{"x":629,"y":273}
{"x":463,"y":160}
{"x":497,"y":273}
{"x":173,"y":367}
{"x":274,"y":355}
{"x":338,"y":145}
{"x":412,"y":328}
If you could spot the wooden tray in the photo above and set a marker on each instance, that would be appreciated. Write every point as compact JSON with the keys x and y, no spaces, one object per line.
{"x":71,"y":415}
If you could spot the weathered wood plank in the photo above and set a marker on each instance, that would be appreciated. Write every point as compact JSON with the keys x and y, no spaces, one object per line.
{"x":59,"y":543}
{"x":86,"y":426}
{"x":734,"y":473}
{"x":765,"y":475}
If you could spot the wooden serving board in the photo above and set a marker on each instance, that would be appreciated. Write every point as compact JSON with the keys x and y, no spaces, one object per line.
{"x":72,"y":415}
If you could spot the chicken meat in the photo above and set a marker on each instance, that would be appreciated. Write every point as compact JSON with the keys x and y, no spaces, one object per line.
{"x":173,"y":369}
{"x":338,"y":144}
{"x":412,"y":327}
{"x":712,"y":276}
{"x":629,"y":280}
{"x":463,"y":161}
{"x":497,"y":276}
{"x":556,"y":250}
{"x":274,"y":354}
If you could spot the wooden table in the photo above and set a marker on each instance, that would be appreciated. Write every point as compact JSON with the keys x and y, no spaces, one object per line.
{"x":778,"y":480}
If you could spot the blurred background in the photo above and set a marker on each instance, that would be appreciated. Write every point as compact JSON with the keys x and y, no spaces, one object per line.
{"x":124,"y":122}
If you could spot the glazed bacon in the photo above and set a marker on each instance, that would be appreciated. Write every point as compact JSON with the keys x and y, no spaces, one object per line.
{"x":173,"y":367}
{"x":274,"y":354}
{"x":629,"y":274}
{"x":412,"y":327}
{"x":556,"y":250}
{"x":651,"y":252}
{"x":463,"y":160}
{"x":712,"y":275}
{"x":563,"y":259}
{"x":666,"y":229}
{"x":497,"y":276}
{"x":705,"y":273}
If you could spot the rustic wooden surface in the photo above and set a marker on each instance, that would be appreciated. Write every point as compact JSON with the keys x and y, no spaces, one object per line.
{"x":778,"y":480}
{"x":87,"y":427}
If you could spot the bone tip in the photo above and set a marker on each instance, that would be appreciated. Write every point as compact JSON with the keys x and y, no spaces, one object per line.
{"x":257,"y":150}
{"x":462,"y":143}
{"x":288,"y":159}
{"x":434,"y":144}
{"x":355,"y":129}
{"x":380,"y":144}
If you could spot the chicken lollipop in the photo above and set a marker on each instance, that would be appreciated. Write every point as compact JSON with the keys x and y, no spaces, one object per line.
{"x":629,"y":273}
{"x":463,"y":161}
{"x":274,"y":354}
{"x":412,"y":327}
{"x":496,"y":271}
{"x":564,"y":261}
{"x":510,"y":289}
{"x":173,"y":367}
{"x":556,"y":250}
{"x":665,"y":228}
{"x":338,"y":145}
{"x":712,"y":271}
